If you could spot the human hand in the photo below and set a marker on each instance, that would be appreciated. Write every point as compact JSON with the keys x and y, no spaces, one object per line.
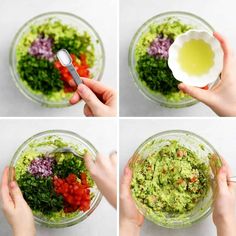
{"x":15,"y":208}
{"x":222,"y":97}
{"x":103,"y":172}
{"x":131,"y":219}
{"x":224,"y":213}
{"x":99,"y":99}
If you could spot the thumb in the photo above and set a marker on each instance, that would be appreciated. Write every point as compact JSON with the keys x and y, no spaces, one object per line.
{"x":202,"y":95}
{"x":125,"y":182}
{"x":89,"y":97}
{"x":16,"y":192}
{"x":222,"y":180}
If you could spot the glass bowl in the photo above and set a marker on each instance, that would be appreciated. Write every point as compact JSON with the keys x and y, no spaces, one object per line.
{"x":204,"y":150}
{"x":68,"y":19}
{"x":184,"y":17}
{"x":73,"y":140}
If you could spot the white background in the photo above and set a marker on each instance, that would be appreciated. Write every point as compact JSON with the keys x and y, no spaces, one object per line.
{"x":101,"y":133}
{"x":133,"y":13}
{"x":219,"y":132}
{"x":102,"y":15}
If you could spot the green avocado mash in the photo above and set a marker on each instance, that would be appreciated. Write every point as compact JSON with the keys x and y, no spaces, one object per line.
{"x":172,"y":180}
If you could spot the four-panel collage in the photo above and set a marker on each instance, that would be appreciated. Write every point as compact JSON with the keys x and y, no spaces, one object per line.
{"x":117,"y":118}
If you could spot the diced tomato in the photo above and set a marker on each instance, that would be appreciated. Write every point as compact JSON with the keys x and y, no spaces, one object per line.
{"x":71,"y":178}
{"x":83,"y":60}
{"x":205,"y":87}
{"x":57,"y":64}
{"x":83,"y":176}
{"x":73,"y":57}
{"x":76,"y":193}
{"x":193,"y":179}
{"x":81,"y":68}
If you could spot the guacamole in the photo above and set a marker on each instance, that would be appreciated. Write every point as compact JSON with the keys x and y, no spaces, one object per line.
{"x":47,"y":179}
{"x":151,"y":56}
{"x":170,"y":181}
{"x":39,"y":70}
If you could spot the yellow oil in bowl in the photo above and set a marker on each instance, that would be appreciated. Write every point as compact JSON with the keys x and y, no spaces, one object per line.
{"x":196,"y":57}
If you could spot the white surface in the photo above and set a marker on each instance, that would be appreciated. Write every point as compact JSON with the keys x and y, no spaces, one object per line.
{"x":133,"y":13}
{"x":219,"y":132}
{"x":14,"y":13}
{"x":101,"y":133}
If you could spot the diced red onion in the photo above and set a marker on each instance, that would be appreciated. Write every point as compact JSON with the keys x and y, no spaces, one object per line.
{"x":42,"y":48}
{"x":42,"y":166}
{"x":159,"y":47}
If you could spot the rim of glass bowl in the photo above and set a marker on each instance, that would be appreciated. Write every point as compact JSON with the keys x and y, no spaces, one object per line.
{"x":12,"y":58}
{"x":74,"y":220}
{"x":159,"y":98}
{"x":162,"y":135}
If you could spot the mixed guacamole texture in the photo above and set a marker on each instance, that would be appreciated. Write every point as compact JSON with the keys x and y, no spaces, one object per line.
{"x":44,"y":179}
{"x":151,"y":56}
{"x":37,"y":65}
{"x":170,"y":181}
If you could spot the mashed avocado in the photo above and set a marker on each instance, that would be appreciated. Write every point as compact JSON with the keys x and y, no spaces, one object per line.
{"x":152,"y":67}
{"x":172,"y":180}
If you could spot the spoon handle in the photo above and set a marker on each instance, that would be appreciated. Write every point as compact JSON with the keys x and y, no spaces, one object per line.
{"x":74,"y":74}
{"x":232,"y":179}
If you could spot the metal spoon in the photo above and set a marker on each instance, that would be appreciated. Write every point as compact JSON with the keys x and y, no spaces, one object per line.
{"x":230,"y":179}
{"x":66,"y":60}
{"x":65,"y":150}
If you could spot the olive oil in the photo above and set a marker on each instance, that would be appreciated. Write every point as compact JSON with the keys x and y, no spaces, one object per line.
{"x":196,"y":57}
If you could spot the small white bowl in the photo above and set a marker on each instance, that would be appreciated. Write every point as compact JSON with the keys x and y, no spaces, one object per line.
{"x":214,"y":71}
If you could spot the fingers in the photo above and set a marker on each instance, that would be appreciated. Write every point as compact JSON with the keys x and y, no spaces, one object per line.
{"x":228,"y":172}
{"x":75,"y":98}
{"x":202,"y":95}
{"x":87,"y":110}
{"x":95,"y":86}
{"x":113,"y":157}
{"x":222,"y":180}
{"x":72,"y":83}
{"x":228,"y":169}
{"x":5,"y":194}
{"x":125,"y":182}
{"x":89,"y":163}
{"x":224,"y":44}
{"x":89,"y":98}
{"x":16,"y":192}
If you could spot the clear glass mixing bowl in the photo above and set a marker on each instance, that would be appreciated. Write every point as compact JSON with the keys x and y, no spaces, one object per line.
{"x":68,"y":19}
{"x":184,"y":17}
{"x":73,"y":140}
{"x":199,"y":146}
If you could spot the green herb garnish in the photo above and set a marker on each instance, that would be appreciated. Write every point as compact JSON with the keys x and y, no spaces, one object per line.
{"x":68,"y":164}
{"x":156,"y":74}
{"x":40,"y":74}
{"x":39,"y":194}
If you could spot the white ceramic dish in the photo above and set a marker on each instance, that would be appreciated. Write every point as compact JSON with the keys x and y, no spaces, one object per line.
{"x":196,"y":80}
